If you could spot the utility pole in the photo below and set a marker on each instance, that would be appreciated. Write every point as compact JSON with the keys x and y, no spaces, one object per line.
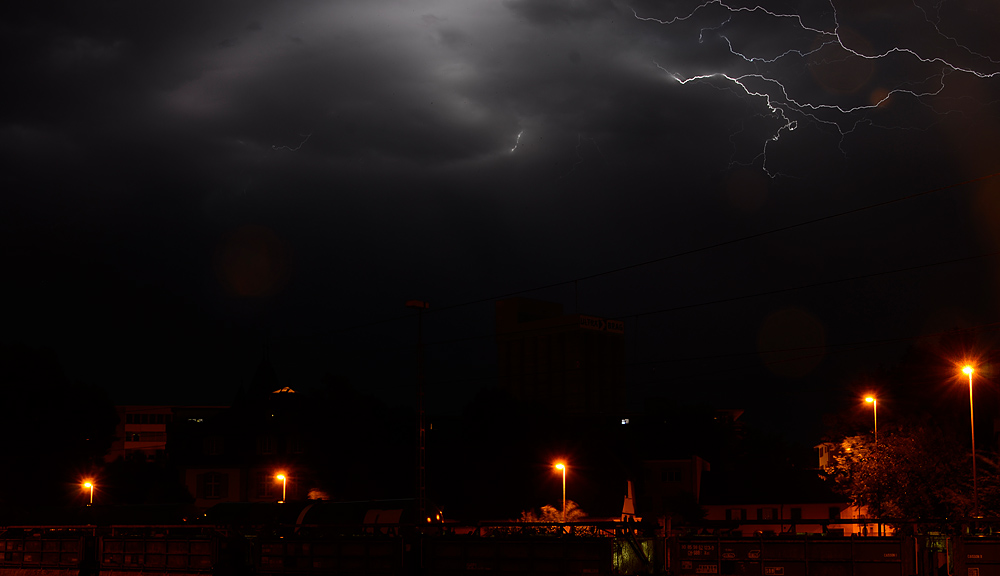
{"x":421,"y":429}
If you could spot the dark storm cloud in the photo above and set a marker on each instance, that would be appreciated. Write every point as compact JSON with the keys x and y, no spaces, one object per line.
{"x":456,"y":87}
{"x":547,"y":12}
{"x":454,"y":149}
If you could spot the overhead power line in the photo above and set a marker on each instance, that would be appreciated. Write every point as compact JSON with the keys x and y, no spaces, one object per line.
{"x":672,"y":256}
{"x":731,"y":241}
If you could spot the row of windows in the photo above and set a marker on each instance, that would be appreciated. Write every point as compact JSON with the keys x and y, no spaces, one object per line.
{"x":144,"y":454}
{"x":795,"y":513}
{"x":147,"y":418}
{"x":216,"y":445}
{"x":215,"y":485}
{"x":145,"y":436}
{"x":672,"y":474}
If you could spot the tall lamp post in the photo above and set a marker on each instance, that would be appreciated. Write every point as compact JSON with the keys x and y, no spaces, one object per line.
{"x":562,"y":466}
{"x":967,"y":369}
{"x":90,"y":485}
{"x":284,"y":484}
{"x":874,"y":402}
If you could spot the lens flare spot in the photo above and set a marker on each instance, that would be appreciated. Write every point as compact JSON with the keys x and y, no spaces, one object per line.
{"x":252,"y":262}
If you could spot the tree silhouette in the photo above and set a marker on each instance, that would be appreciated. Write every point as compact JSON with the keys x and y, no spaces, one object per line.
{"x":920,"y":472}
{"x":552,"y":514}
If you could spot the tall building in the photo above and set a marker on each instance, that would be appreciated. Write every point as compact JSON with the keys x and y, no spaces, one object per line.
{"x":572,"y":364}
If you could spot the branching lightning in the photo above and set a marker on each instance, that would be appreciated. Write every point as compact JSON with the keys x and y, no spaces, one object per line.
{"x":954,"y":41}
{"x":788,"y":109}
{"x":579,"y":156}
{"x":289,"y":148}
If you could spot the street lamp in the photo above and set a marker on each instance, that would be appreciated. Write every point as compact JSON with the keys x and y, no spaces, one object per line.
{"x":562,"y":466}
{"x":284,"y":484}
{"x":89,"y":485}
{"x":967,"y":369}
{"x":874,"y":402}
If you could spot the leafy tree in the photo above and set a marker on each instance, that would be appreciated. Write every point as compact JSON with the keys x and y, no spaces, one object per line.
{"x":913,"y":472}
{"x":553,"y":514}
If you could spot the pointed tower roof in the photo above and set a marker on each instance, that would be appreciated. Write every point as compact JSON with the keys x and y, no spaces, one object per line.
{"x":264,"y":381}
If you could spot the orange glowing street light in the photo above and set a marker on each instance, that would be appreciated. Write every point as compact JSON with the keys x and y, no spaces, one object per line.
{"x":89,"y":485}
{"x":284,"y":483}
{"x":562,"y":466}
{"x":874,"y":402}
{"x":967,"y":369}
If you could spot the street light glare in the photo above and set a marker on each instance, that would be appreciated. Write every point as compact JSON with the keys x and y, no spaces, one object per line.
{"x":967,"y":369}
{"x":874,"y":402}
{"x":280,"y":477}
{"x":561,"y":466}
{"x":88,"y":484}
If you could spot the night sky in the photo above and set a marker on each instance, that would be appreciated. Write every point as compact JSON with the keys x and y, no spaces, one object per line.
{"x":776,"y":199}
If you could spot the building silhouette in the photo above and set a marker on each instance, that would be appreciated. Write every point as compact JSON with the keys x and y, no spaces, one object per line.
{"x":236,"y":455}
{"x":571,"y":364}
{"x":143,"y":431}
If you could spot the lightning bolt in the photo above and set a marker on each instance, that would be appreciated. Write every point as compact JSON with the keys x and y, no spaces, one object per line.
{"x":579,"y":156}
{"x":954,"y":41}
{"x":289,"y":148}
{"x":517,"y":142}
{"x":788,"y":109}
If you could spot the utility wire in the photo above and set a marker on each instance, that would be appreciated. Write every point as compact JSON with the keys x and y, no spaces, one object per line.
{"x":729,"y":299}
{"x":675,"y":255}
{"x":731,"y":241}
{"x":813,"y":352}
